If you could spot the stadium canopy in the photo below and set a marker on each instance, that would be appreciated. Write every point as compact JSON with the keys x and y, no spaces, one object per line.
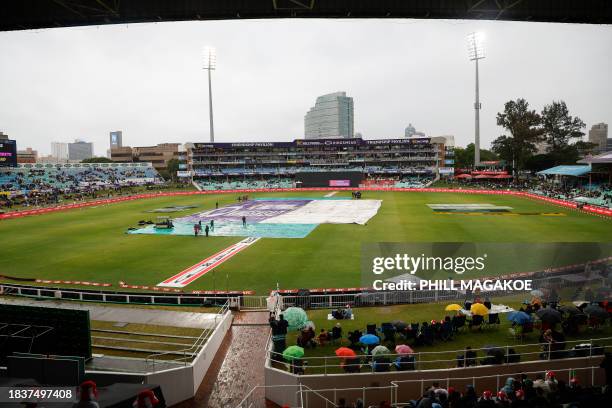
{"x":33,"y":14}
{"x":604,"y":158}
{"x":574,"y":171}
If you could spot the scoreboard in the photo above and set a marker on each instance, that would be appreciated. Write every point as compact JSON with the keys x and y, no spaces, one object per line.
{"x":8,"y":153}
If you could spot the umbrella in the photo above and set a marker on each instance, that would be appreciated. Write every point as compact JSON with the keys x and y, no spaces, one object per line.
{"x":492,"y":348}
{"x":549,"y":315}
{"x":570,"y":310}
{"x":479,"y":309}
{"x":519,"y":317}
{"x":453,"y":307}
{"x":399,"y":325}
{"x":495,"y":351}
{"x":537,"y":293}
{"x":596,"y":311}
{"x":403,"y":349}
{"x":369,"y":339}
{"x":296,"y":317}
{"x":293,"y":352}
{"x":345,"y":352}
{"x":380,"y":350}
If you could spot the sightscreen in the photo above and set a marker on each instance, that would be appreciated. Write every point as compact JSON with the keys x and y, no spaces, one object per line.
{"x":329,"y":179}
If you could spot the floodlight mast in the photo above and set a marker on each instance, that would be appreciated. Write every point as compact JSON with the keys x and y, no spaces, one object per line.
{"x":475,"y":53}
{"x":210,"y":64}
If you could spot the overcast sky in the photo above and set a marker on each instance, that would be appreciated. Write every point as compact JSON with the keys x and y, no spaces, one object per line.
{"x":147,"y":79}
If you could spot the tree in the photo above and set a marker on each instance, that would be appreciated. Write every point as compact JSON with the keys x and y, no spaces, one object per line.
{"x":559,"y":128}
{"x":464,"y":157}
{"x":97,"y":160}
{"x":523,"y":126}
{"x":172,"y":167}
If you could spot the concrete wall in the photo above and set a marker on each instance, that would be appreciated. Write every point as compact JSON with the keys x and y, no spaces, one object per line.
{"x":202,"y":363}
{"x":177,"y":384}
{"x":377,"y":387}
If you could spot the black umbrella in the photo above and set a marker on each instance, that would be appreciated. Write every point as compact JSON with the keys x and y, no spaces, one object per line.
{"x":399,"y":325}
{"x":596,"y":311}
{"x":549,"y":315}
{"x":570,"y":310}
{"x":493,"y":350}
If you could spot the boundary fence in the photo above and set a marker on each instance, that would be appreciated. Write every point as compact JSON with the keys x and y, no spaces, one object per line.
{"x":358,"y":298}
{"x":591,"y":209}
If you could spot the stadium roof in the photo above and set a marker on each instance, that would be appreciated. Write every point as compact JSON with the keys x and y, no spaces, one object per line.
{"x":31,"y":14}
{"x":601,"y":158}
{"x":566,"y":171}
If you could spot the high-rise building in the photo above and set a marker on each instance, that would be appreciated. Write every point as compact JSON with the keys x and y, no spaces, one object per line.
{"x":599,"y":136}
{"x":59,"y":151}
{"x":3,"y":136}
{"x":331,"y":117}
{"x":409,"y":131}
{"x":80,"y":150}
{"x":116,"y":139}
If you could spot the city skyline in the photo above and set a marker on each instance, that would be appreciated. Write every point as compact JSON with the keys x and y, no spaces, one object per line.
{"x":147,"y":79}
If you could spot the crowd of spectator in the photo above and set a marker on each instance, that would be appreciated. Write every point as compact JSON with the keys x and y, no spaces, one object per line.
{"x":50,"y":186}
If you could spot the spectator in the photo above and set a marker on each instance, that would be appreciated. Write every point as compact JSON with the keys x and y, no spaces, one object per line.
{"x":87,"y":396}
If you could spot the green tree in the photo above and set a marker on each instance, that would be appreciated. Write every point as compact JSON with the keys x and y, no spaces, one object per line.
{"x":524,"y":130}
{"x":97,"y":160}
{"x":172,"y":167}
{"x":464,"y":157}
{"x":559,"y":129}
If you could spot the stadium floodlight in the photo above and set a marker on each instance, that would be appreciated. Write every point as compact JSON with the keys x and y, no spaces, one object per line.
{"x":475,"y":53}
{"x":210,"y":64}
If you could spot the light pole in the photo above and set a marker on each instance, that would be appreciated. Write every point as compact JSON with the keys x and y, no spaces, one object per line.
{"x":210,"y":63}
{"x":476,"y":52}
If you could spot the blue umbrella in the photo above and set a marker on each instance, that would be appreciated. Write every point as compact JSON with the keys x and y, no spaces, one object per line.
{"x":369,"y":339}
{"x":519,"y":317}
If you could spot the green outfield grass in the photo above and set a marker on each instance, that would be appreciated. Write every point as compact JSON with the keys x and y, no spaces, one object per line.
{"x":91,"y":244}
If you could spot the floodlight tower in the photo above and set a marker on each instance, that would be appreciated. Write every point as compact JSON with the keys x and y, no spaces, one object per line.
{"x":210,"y":63}
{"x":476,"y":52}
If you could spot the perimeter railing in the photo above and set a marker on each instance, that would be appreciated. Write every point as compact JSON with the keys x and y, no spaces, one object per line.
{"x":187,"y":354}
{"x":405,"y":392}
{"x":436,"y":360}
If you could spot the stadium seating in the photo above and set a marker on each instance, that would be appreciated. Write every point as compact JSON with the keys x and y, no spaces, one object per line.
{"x":73,"y":178}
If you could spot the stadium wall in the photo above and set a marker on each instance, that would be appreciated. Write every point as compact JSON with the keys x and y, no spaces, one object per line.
{"x":568,"y":204}
{"x":177,"y":384}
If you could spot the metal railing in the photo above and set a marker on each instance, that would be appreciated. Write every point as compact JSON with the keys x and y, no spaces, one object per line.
{"x":481,"y":383}
{"x":435,"y":360}
{"x":110,"y":296}
{"x":395,"y":392}
{"x":187,"y":354}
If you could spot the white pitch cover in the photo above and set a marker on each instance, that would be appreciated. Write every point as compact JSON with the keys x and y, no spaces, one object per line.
{"x":330,"y":212}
